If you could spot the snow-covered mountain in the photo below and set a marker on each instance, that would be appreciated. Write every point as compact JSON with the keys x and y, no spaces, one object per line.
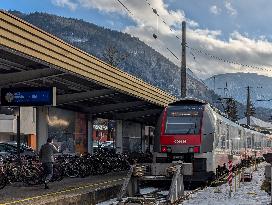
{"x":234,"y":85}
{"x":141,"y":60}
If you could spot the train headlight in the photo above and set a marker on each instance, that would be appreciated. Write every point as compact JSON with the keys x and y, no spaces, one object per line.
{"x":164,"y":149}
{"x":196,"y":149}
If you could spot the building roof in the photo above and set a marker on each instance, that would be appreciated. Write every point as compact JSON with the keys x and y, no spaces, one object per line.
{"x":34,"y":42}
{"x":31,"y":57}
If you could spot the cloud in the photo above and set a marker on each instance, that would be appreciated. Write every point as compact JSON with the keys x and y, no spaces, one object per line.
{"x":102,"y":5}
{"x":215,"y":10}
{"x":65,"y":3}
{"x":142,"y":13}
{"x":238,"y":47}
{"x":230,"y":8}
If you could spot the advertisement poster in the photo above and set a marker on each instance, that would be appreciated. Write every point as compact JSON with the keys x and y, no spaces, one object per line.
{"x":68,"y":130}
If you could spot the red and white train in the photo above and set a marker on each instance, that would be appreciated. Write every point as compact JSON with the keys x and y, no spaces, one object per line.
{"x":192,"y":131}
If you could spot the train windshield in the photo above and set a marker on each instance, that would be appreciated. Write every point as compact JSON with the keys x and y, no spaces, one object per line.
{"x":183,"y":119}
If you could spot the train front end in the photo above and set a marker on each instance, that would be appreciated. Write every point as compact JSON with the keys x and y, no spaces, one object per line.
{"x":180,"y":131}
{"x":181,"y":137}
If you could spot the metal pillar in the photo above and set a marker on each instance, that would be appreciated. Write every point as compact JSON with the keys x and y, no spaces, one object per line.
{"x":183,"y":62}
{"x":248,"y":106}
{"x":177,"y":187}
{"x":18,"y":136}
{"x":41,"y":126}
{"x":271,"y":183}
{"x":119,"y":136}
{"x":90,"y":134}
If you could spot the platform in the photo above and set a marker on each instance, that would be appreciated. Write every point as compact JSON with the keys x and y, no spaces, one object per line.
{"x":83,"y":191}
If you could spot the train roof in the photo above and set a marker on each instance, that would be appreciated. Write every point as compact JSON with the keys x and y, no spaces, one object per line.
{"x":196,"y":101}
{"x":188,"y":100}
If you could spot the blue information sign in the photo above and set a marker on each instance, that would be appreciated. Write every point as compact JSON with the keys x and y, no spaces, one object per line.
{"x":28,"y":96}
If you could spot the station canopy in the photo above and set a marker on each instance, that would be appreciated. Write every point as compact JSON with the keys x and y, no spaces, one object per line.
{"x":31,"y":57}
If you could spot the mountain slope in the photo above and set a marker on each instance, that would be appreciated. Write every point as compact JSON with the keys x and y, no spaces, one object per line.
{"x":142,"y":61}
{"x":260,"y":87}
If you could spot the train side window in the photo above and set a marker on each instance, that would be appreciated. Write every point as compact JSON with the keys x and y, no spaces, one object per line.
{"x":223,"y":142}
{"x":228,"y":137}
{"x":217,"y":139}
{"x":244,"y":141}
{"x":248,"y":142}
{"x":253,"y":141}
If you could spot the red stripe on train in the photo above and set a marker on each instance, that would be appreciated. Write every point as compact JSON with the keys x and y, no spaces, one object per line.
{"x":180,"y":139}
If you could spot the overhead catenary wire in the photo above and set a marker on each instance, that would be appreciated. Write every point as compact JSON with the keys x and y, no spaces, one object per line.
{"x":205,"y":53}
{"x":155,"y":36}
{"x":163,"y":21}
{"x":196,"y":50}
{"x":123,"y":5}
{"x":172,"y":53}
{"x":201,"y":51}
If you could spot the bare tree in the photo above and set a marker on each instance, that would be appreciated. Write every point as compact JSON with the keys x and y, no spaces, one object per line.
{"x":113,"y":56}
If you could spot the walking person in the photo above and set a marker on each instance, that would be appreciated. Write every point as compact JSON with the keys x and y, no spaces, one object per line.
{"x":46,"y":155}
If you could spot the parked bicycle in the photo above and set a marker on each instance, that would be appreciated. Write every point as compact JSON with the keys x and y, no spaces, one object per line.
{"x":30,"y":170}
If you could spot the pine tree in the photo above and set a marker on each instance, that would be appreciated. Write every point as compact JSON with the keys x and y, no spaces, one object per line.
{"x":252,"y":110}
{"x":231,"y":109}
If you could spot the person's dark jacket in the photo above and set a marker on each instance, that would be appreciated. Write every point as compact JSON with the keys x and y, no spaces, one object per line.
{"x":47,"y":152}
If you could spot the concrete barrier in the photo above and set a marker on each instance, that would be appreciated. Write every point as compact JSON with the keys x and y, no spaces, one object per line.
{"x":90,"y":198}
{"x":88,"y":194}
{"x":267,"y":171}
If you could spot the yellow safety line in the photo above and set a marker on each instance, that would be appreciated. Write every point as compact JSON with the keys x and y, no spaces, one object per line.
{"x":61,"y":192}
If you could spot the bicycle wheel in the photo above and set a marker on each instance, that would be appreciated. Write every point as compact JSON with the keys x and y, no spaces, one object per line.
{"x":57,"y":174}
{"x":71,"y":171}
{"x":3,"y":180}
{"x":32,"y":176}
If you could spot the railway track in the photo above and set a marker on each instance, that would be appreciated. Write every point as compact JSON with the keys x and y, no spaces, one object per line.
{"x":158,"y":196}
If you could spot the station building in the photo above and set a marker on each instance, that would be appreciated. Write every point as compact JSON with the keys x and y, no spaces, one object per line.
{"x":8,"y":126}
{"x":86,"y":89}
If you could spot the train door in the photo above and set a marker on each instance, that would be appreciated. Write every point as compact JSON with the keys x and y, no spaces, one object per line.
{"x":253,"y":142}
{"x":248,"y":144}
{"x":217,"y":136}
{"x":240,"y":146}
{"x":244,"y":139}
{"x":235,"y":140}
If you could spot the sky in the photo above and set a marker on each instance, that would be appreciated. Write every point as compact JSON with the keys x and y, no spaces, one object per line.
{"x":223,"y":36}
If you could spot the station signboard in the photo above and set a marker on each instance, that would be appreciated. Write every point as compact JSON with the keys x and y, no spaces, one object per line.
{"x":28,"y":96}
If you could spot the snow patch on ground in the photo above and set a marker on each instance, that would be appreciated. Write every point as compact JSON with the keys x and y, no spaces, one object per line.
{"x":109,"y":202}
{"x":143,"y":191}
{"x":164,"y":193}
{"x":249,"y":193}
{"x":148,"y":190}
